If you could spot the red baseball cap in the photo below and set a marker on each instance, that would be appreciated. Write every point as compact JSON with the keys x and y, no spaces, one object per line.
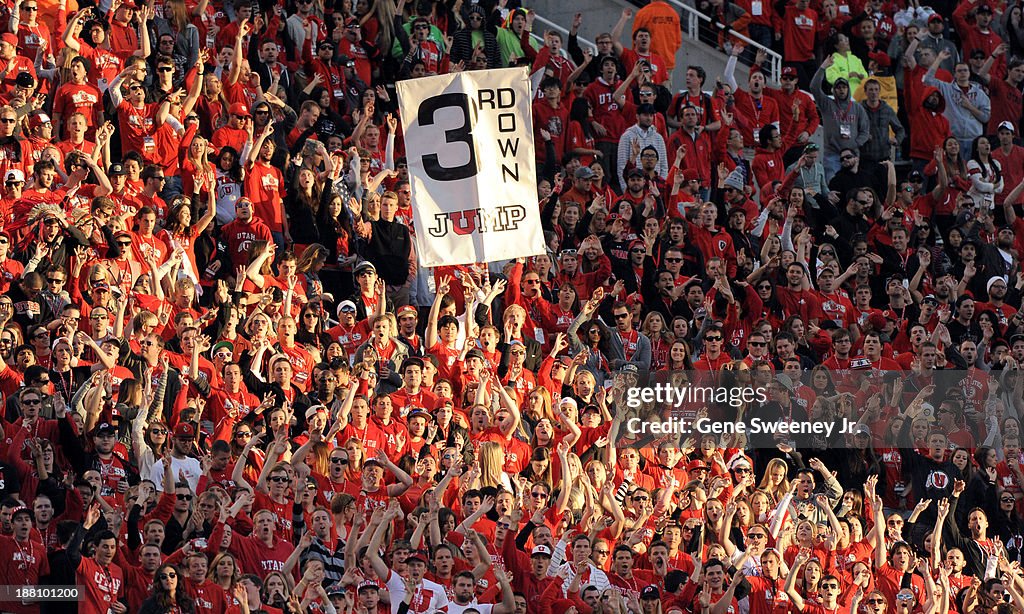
{"x":239,"y":109}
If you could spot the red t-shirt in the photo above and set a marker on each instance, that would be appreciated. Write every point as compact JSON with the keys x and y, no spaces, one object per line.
{"x":264,"y":185}
{"x":137,"y":128}
{"x":100,"y":586}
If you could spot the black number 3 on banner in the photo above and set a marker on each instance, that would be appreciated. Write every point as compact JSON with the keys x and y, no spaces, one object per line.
{"x":462,"y":134}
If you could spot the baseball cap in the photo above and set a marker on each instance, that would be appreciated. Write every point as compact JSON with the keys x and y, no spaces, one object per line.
{"x":15,"y":174}
{"x":541,"y":550}
{"x":344,"y":60}
{"x":8,"y":37}
{"x":24,"y":80}
{"x":650,"y":592}
{"x":584,"y":172}
{"x":412,"y":361}
{"x":789,"y":71}
{"x":915,"y":177}
{"x":184,"y":429}
{"x":222,"y":344}
{"x":417,"y":555}
{"x":335,"y":589}
{"x":116,"y":170}
{"x":405,"y":310}
{"x":105,"y":427}
{"x":419,"y":411}
{"x":629,"y":368}
{"x":984,"y":8}
{"x":21,"y":509}
{"x":314,"y":410}
{"x":634,"y":172}
{"x":785,"y":381}
{"x":240,"y":109}
{"x":1007,"y":125}
{"x":37,"y":119}
{"x":930,"y":299}
{"x":346,"y":306}
{"x":935,"y":17}
{"x":475,"y":353}
{"x":362,"y":266}
{"x":696,"y":465}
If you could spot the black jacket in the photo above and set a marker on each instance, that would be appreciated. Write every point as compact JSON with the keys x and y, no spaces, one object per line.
{"x":388,"y":249}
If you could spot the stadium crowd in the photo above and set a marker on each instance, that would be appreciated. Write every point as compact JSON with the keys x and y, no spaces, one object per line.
{"x":228,"y":386}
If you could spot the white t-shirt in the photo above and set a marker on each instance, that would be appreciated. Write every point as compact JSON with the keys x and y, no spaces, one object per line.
{"x":454,"y":608}
{"x":429,"y":598}
{"x":188,"y":466}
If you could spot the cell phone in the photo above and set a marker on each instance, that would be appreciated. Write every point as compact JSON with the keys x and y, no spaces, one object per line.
{"x":199,"y":543}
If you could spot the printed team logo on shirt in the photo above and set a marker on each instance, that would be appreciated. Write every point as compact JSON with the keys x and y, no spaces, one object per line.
{"x":269,"y":181}
{"x":937,"y":479}
{"x":84,"y":98}
{"x":555,"y":125}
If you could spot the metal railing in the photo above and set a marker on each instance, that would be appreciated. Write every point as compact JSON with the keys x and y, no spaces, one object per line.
{"x":691,"y":22}
{"x":554,"y":26}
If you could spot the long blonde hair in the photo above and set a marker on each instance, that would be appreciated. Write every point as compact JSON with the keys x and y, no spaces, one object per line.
{"x":776,"y":492}
{"x":178,"y":17}
{"x":492,"y":463}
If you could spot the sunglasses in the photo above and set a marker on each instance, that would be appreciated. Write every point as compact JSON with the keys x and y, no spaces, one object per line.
{"x":760,"y":536}
{"x":673,"y":260}
{"x":8,"y":120}
{"x":31,"y":402}
{"x":621,"y":316}
{"x":875,"y":601}
{"x":124,"y":243}
{"x":539,"y":495}
{"x":168,"y":576}
{"x":166,"y":69}
{"x":182,"y":497}
{"x":243,"y":434}
{"x":337,"y":460}
{"x":715,"y":338}
{"x":278,"y":480}
{"x":158,"y":432}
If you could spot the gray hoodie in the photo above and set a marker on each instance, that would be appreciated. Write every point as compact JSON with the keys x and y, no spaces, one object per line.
{"x":964,"y":125}
{"x":845,"y":121}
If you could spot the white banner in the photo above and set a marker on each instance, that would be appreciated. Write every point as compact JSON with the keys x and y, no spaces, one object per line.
{"x":469,"y":143}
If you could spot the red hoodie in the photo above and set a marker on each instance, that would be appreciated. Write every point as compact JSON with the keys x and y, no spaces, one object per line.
{"x":929,"y":128}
